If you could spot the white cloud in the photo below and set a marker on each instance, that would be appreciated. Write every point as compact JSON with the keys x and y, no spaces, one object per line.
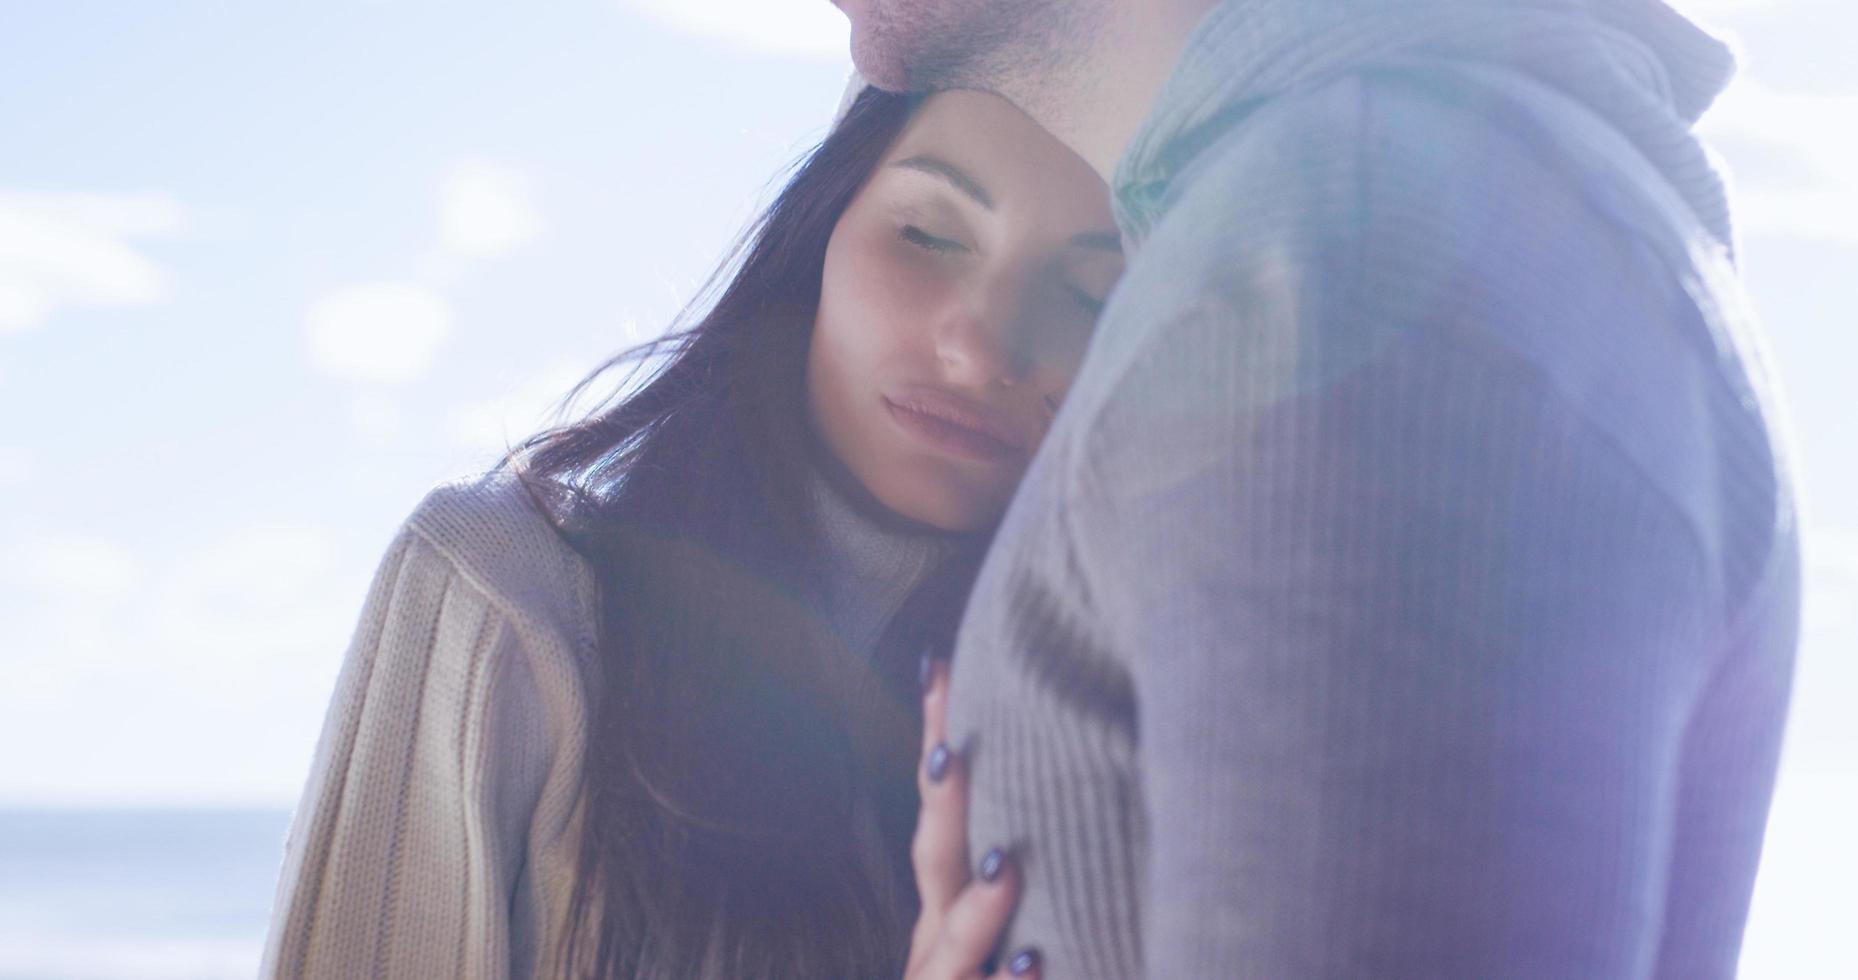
{"x":1831,"y":569}
{"x":383,"y":332}
{"x":1819,"y":200}
{"x":23,"y":305}
{"x":220,"y":659}
{"x":376,"y":416}
{"x":803,"y":27}
{"x":76,"y":566}
{"x":492,"y":425}
{"x":1705,"y":8}
{"x":240,"y":592}
{"x":18,"y":466}
{"x":486,"y":210}
{"x":1712,"y":8}
{"x":61,"y":249}
{"x":1803,"y":895}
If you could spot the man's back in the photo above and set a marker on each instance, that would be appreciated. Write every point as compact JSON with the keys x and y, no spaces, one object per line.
{"x":1409,"y":584}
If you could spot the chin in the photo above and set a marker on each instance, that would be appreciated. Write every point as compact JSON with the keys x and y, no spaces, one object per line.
{"x":952,"y":520}
{"x":876,"y":61}
{"x":880,"y":46}
{"x":955,"y":510}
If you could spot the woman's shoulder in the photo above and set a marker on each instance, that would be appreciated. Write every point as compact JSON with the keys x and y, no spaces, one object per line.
{"x":493,"y":533}
{"x":451,"y":749}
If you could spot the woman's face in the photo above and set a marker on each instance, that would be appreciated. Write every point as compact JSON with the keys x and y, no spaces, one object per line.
{"x":960,"y":289}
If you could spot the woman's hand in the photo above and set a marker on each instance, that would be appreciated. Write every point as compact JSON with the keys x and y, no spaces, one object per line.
{"x":962,"y":914}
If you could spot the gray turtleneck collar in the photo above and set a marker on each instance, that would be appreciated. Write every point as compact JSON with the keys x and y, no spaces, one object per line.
{"x":871,"y":566}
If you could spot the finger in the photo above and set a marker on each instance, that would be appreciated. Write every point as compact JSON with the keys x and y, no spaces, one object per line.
{"x":939,"y":849}
{"x":976,"y":919}
{"x":935,"y":702}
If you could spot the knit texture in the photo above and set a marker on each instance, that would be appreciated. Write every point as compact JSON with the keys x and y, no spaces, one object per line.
{"x":1408,"y":585}
{"x":438,"y":833}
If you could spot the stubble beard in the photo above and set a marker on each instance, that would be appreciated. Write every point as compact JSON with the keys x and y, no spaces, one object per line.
{"x":1019,"y":49}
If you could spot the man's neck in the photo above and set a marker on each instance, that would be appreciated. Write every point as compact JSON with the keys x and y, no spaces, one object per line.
{"x":1105,"y":92}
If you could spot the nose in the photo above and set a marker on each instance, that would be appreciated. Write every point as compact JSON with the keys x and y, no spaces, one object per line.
{"x":978,"y":340}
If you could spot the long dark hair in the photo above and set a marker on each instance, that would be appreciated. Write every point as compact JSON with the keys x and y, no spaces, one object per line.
{"x":729,"y":751}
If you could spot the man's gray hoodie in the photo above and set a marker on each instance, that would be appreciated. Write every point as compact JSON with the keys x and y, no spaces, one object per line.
{"x":1409,"y":585}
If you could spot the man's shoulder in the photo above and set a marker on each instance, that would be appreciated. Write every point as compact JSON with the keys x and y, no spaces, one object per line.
{"x":1500,"y":223}
{"x":1392,"y":154}
{"x":1397,"y":196}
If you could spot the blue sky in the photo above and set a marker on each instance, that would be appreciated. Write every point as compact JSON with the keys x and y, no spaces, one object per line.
{"x":269,"y":271}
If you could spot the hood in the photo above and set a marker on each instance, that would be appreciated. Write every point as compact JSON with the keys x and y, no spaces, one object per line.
{"x":1639,"y":64}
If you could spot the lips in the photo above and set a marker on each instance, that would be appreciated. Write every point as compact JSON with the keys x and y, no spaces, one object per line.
{"x":956,"y":424}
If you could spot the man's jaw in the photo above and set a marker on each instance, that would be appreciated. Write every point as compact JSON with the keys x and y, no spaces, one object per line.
{"x":1090,"y":87}
{"x":875,"y":49}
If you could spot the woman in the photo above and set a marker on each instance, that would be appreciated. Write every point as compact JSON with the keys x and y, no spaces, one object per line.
{"x":642,"y":700}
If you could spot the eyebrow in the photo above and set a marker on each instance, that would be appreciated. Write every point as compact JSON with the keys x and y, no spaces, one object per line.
{"x":956,"y":176}
{"x":1101,"y":241}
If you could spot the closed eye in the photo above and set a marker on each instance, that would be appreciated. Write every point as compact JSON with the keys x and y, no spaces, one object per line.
{"x":1091,"y":304}
{"x":923,"y":240}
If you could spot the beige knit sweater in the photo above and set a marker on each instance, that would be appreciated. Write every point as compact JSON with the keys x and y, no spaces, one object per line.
{"x":438,"y":832}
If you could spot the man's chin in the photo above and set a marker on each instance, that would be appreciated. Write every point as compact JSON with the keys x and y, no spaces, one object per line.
{"x":875,"y":59}
{"x":881,"y":72}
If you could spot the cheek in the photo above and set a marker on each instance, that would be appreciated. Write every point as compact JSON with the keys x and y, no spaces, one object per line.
{"x":852,"y":355}
{"x":873,"y":310}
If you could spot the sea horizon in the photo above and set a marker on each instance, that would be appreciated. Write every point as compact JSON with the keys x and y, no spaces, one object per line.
{"x":149,"y":893}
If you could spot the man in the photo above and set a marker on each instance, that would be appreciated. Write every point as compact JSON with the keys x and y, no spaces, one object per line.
{"x":1409,"y":583}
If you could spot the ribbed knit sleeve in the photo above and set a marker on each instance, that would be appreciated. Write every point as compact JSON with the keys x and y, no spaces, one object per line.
{"x":431,"y":838}
{"x":1409,"y":658}
{"x":1421,"y":526}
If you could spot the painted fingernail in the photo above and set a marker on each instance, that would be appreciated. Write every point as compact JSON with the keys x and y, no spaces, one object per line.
{"x":1023,"y":962}
{"x":937,"y":766}
{"x":992,"y":863}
